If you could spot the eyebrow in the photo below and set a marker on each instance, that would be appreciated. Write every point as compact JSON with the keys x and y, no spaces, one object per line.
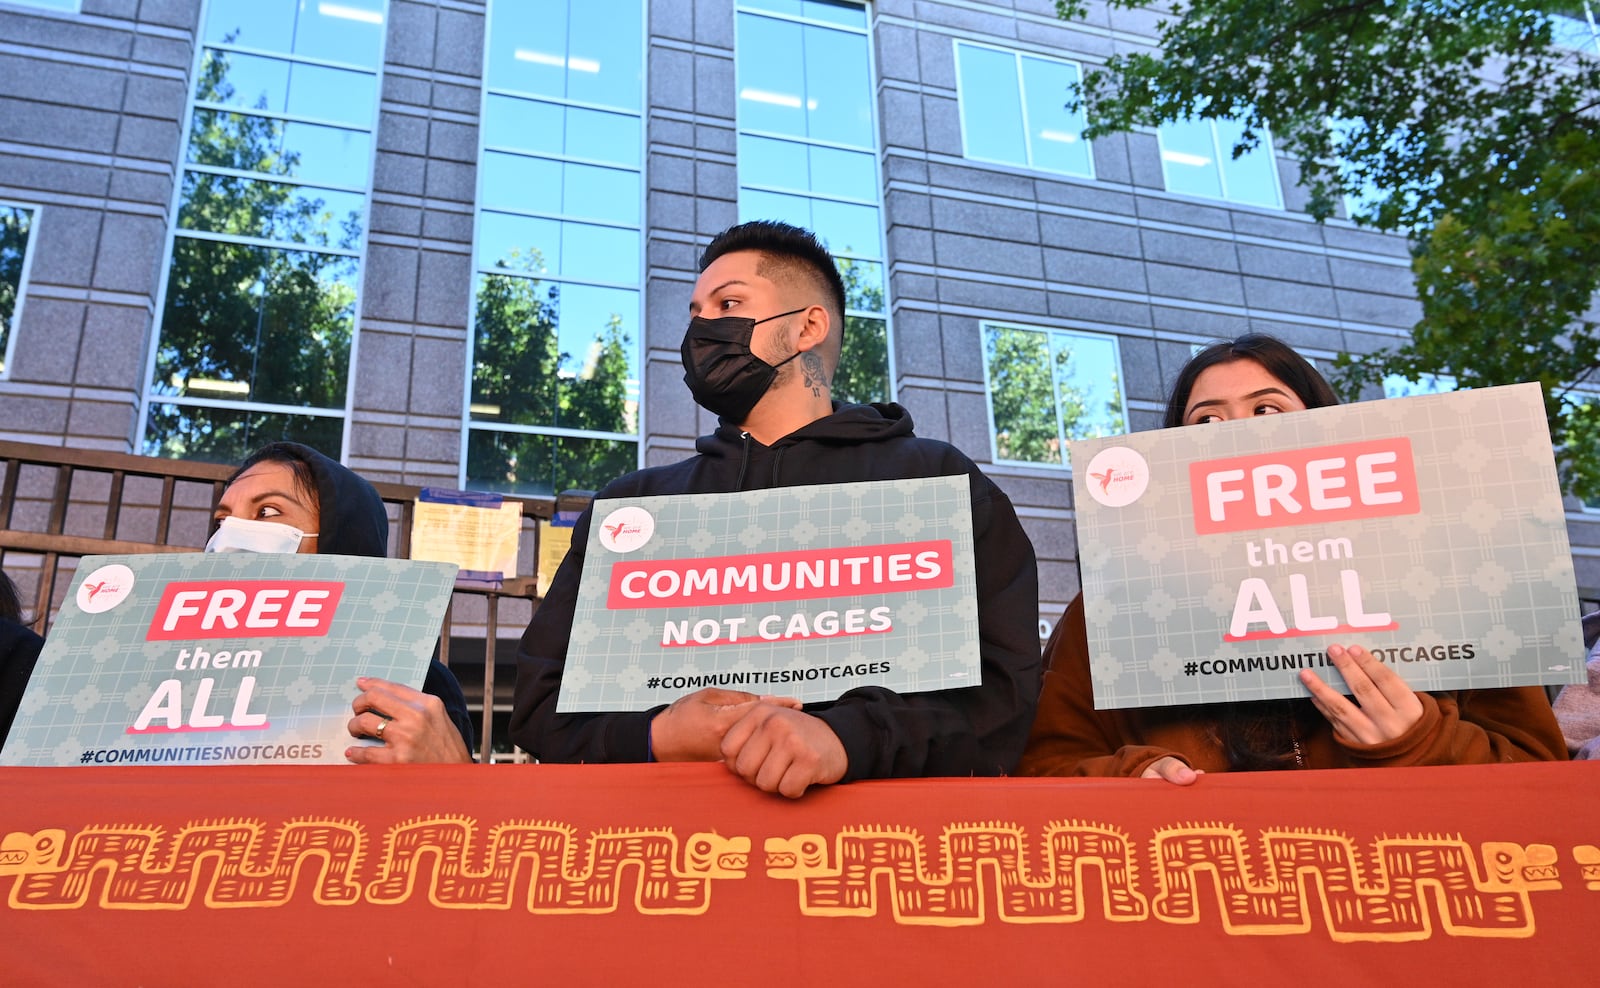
{"x":694,"y":306}
{"x":264,"y":495}
{"x":1249,"y":397}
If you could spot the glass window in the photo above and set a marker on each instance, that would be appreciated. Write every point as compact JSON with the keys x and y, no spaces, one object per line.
{"x":247,"y":323}
{"x":1014,"y":110}
{"x":219,"y":434}
{"x":71,"y":6}
{"x":843,"y":14}
{"x":1049,"y":386}
{"x":808,"y":155}
{"x":579,"y":52}
{"x":538,"y":127}
{"x":349,"y":31}
{"x":259,"y":313}
{"x":1197,"y":160}
{"x":556,"y":356}
{"x":271,"y":210}
{"x":16,"y":228}
{"x":276,"y":85}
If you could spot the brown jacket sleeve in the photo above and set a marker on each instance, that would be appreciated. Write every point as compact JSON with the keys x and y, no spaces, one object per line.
{"x":1472,"y":727}
{"x":1069,"y":736}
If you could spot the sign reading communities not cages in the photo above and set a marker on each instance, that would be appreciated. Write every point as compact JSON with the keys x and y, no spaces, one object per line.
{"x":239,"y":657}
{"x":796,"y":591}
{"x":1220,"y":560}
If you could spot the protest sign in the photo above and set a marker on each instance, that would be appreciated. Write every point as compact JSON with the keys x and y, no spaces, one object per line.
{"x":197,"y":658}
{"x":796,"y":591}
{"x":1219,"y":560}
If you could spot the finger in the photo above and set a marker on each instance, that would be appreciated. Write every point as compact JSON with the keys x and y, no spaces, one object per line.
{"x":753,"y":753}
{"x":368,"y":754}
{"x":1355,"y":676}
{"x":1350,"y":722}
{"x":1172,"y":770}
{"x":780,"y":761}
{"x":790,"y":702}
{"x":738,"y":735}
{"x":796,"y":781}
{"x":1388,"y":682}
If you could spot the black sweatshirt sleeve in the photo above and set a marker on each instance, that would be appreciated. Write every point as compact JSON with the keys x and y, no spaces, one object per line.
{"x":541,"y":659}
{"x":974,"y":731}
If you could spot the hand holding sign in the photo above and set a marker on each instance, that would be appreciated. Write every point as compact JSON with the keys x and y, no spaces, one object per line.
{"x":412,"y":726}
{"x":1388,"y":708}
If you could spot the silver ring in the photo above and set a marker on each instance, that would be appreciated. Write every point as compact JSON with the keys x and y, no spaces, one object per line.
{"x":382,"y":723}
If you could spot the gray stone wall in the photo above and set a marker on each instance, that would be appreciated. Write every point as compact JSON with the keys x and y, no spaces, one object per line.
{"x":90,"y":118}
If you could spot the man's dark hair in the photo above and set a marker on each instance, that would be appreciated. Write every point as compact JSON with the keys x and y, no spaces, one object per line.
{"x":788,"y":253}
{"x":1275,"y":356}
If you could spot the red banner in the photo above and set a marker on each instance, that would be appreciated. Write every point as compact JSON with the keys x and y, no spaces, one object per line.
{"x":674,"y":874}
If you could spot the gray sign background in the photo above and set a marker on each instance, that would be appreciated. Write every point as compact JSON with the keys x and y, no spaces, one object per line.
{"x":615,"y":655}
{"x":1485,"y":562}
{"x":97,"y":671}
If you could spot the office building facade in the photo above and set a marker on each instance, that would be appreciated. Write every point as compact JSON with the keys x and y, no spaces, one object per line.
{"x":453,"y":242}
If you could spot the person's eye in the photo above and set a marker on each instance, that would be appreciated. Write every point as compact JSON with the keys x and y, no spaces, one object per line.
{"x":727,"y":304}
{"x":267,"y":511}
{"x":1207,"y":419}
{"x":1267,"y":409}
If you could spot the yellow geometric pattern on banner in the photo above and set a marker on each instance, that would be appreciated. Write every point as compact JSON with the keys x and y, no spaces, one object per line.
{"x":139,"y":868}
{"x":1396,"y":888}
{"x":567,"y":875}
{"x":1384,"y":896}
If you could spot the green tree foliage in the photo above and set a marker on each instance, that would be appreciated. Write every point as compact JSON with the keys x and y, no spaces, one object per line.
{"x":521,"y":376}
{"x":1459,"y":122}
{"x":863,"y":372}
{"x":279,"y":321}
{"x":1038,"y":396}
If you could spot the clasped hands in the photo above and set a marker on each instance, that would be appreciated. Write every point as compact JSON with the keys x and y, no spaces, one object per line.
{"x":1382,"y":707}
{"x":768,"y":741}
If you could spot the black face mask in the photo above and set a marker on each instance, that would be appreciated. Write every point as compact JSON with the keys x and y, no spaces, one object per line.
{"x":721,"y":372}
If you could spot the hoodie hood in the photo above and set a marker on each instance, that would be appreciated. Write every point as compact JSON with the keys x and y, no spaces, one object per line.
{"x":351,"y":517}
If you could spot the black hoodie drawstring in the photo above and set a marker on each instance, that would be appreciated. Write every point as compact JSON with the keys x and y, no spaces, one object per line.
{"x":744,"y":462}
{"x":777,"y":460}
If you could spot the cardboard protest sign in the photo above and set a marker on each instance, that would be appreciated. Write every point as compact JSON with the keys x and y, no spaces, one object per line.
{"x":201,"y":658}
{"x":1219,"y":560}
{"x":796,"y":591}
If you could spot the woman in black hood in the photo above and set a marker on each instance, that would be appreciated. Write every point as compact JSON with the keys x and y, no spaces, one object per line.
{"x":287,"y":497}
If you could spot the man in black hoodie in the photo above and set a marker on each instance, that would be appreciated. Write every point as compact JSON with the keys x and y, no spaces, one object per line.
{"x":761,"y":351}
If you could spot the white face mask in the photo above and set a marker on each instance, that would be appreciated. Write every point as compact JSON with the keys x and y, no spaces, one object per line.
{"x":249,"y":535}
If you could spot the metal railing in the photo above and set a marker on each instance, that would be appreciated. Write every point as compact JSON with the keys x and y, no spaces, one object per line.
{"x":59,"y":504}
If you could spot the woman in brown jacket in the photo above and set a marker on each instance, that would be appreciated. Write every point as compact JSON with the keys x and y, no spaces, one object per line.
{"x":1386,"y":723}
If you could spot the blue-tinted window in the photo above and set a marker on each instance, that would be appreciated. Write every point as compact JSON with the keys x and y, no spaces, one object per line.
{"x":258,"y":318}
{"x":808,"y":155}
{"x":1197,"y":160}
{"x":16,"y":232}
{"x":554,"y":396}
{"x":1047,"y":386}
{"x":1014,"y":110}
{"x":585,"y":53}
